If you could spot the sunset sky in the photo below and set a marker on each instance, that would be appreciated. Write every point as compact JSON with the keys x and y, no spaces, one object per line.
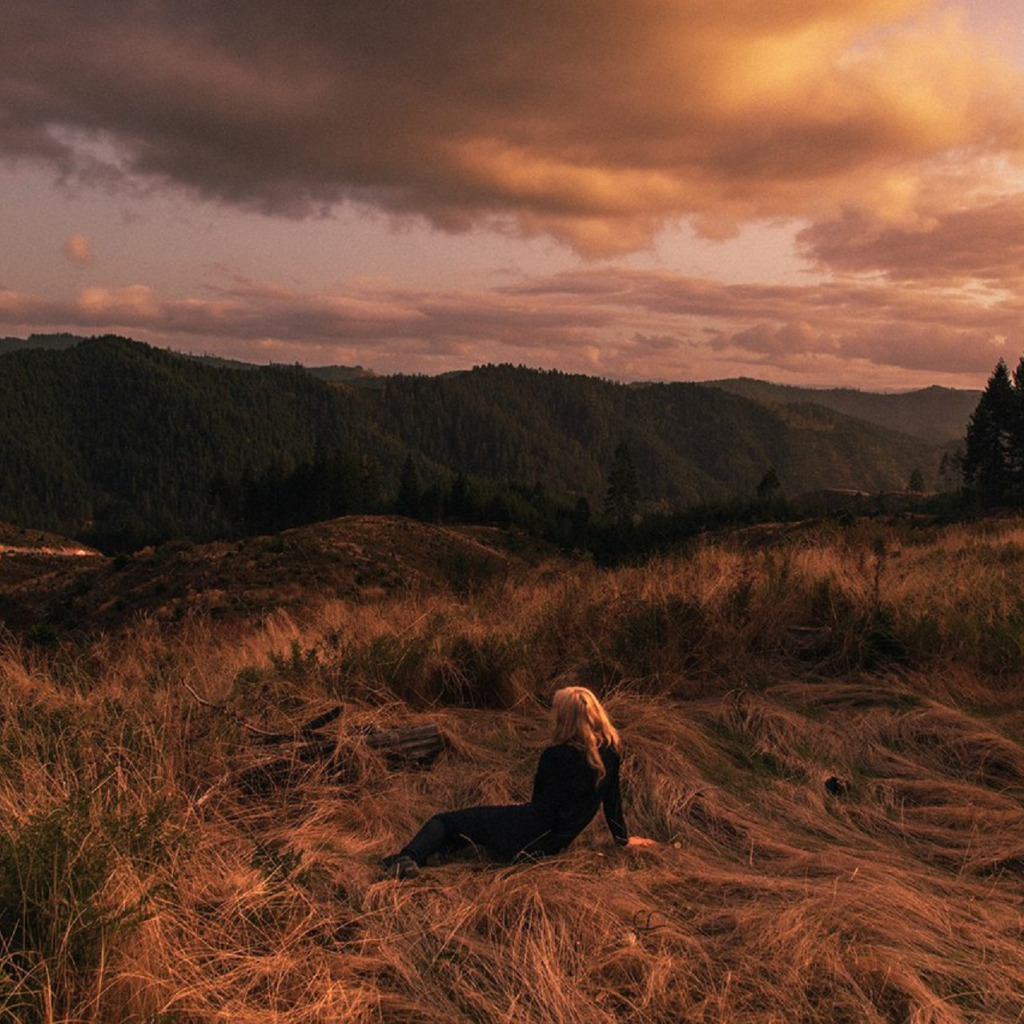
{"x":820,"y":192}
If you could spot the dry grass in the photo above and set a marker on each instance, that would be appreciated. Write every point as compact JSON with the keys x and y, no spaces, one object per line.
{"x":141,"y":881}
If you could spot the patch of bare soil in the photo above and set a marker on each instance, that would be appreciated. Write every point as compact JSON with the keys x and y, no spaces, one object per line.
{"x":43,"y":588}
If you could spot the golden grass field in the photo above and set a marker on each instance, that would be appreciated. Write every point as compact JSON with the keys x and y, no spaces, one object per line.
{"x":145,"y":876}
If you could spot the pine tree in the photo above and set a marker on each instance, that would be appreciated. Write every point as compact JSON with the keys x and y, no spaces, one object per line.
{"x":1015,"y":455}
{"x":580,"y":518}
{"x":623,"y":486}
{"x":769,"y":486}
{"x":950,"y":470}
{"x":408,"y":500}
{"x":991,"y":464}
{"x":461,"y":500}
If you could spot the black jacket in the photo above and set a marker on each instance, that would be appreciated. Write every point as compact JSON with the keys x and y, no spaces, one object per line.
{"x":567,"y":793}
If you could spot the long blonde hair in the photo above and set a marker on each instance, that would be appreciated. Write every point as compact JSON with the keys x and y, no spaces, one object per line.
{"x":582,"y":722}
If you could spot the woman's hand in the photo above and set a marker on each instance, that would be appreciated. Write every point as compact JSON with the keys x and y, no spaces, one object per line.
{"x":635,"y":841}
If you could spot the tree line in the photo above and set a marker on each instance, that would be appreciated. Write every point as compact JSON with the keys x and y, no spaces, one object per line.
{"x":121,"y":445}
{"x":989,"y":472}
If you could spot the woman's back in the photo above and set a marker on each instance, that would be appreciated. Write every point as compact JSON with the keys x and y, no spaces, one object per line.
{"x":567,"y":791}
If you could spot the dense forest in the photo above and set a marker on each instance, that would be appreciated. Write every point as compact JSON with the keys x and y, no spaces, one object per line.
{"x":123,"y":444}
{"x":114,"y":439}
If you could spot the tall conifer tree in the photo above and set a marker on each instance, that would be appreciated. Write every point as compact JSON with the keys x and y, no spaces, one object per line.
{"x":623,"y":486}
{"x":990,"y":462}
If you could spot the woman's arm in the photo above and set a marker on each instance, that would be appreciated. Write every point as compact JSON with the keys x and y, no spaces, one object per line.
{"x":614,"y":815}
{"x":613,"y":806}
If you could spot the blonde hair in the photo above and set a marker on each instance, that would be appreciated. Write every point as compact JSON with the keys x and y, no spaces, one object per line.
{"x":582,"y":722}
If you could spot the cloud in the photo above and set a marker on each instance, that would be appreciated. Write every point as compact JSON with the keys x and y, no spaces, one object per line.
{"x":904,"y":346}
{"x":596,"y":121}
{"x":616,"y":322}
{"x":78,"y":250}
{"x":983,"y":244}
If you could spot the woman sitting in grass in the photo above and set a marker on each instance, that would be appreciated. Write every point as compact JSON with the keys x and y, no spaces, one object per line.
{"x":577,"y":774}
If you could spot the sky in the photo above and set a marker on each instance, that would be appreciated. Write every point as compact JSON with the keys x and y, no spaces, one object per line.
{"x":813,"y":192}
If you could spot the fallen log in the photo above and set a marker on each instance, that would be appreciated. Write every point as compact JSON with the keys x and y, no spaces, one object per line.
{"x":407,"y":743}
{"x":339,"y":757}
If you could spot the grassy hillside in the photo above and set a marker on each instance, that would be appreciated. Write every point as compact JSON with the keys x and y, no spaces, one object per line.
{"x":57,"y":589}
{"x":823,"y":730}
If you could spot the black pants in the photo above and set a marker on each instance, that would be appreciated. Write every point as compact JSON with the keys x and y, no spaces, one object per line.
{"x":509,"y":831}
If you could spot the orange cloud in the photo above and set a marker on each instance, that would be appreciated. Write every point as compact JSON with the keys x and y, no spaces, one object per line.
{"x":596,"y":121}
{"x":981,"y":243}
{"x":134,"y":304}
{"x":619,"y":323}
{"x":78,"y":250}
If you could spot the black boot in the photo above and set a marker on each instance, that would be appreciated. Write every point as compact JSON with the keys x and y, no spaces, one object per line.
{"x":399,"y":866}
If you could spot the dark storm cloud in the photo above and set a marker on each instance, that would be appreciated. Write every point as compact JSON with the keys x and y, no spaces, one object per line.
{"x":593,"y":120}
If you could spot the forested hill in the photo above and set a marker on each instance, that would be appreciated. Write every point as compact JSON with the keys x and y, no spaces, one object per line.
{"x":111,"y":438}
{"x":690,"y":443}
{"x":932,"y":414}
{"x":54,"y":342}
{"x":115,"y":438}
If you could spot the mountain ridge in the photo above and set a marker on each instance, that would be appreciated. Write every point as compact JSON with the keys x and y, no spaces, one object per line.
{"x":935,"y":414}
{"x":109,"y":434}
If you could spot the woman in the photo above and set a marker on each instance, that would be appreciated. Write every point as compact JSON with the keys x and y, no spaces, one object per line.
{"x":577,"y":774}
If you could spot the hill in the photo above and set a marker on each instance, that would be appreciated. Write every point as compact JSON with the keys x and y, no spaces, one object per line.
{"x":54,"y":587}
{"x":822,"y":729}
{"x":48,"y":342}
{"x":690,"y":443}
{"x":124,"y":445}
{"x":114,"y":438}
{"x":934,"y":414}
